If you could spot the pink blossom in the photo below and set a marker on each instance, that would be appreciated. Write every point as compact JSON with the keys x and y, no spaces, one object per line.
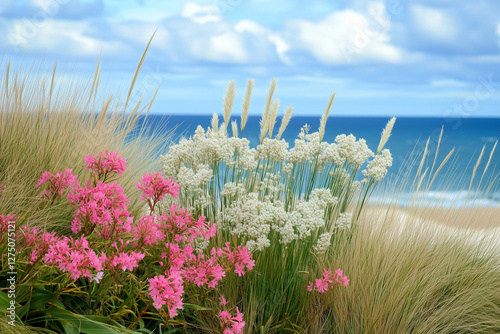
{"x":167,"y":290}
{"x":154,"y":188}
{"x":201,"y":272}
{"x":57,"y":184}
{"x":38,"y":241}
{"x":329,"y":279}
{"x":232,"y":325}
{"x":74,"y":256}
{"x":181,"y":227}
{"x":240,"y":258}
{"x":127,"y":261}
{"x":148,"y":231}
{"x":105,"y":164}
{"x":104,"y":205}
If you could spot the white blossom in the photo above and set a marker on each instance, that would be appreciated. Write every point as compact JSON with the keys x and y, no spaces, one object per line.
{"x":377,"y":168}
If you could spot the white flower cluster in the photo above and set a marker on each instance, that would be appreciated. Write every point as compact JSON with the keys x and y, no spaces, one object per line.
{"x":254,"y":219}
{"x":377,"y":168}
{"x":272,"y":149}
{"x":344,"y":221}
{"x":271,"y":190}
{"x":209,"y":148}
{"x":323,"y":243}
{"x":307,"y":147}
{"x":355,"y":152}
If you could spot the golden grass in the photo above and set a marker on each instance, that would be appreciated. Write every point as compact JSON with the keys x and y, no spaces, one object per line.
{"x":409,"y":276}
{"x":50,"y":125}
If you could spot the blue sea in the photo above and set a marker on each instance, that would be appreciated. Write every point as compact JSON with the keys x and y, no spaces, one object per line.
{"x":407,"y":142}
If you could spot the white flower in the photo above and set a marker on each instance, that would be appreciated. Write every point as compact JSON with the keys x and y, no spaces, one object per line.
{"x":355,"y":152}
{"x":344,"y":221}
{"x":323,"y":243}
{"x":98,"y":277}
{"x":377,"y":168}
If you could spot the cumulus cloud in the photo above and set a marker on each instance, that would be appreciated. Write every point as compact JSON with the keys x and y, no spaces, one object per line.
{"x":345,"y":36}
{"x":434,"y":23}
{"x":201,"y":14}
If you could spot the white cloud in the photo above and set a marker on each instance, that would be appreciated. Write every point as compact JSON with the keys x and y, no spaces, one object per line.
{"x":435,"y":24}
{"x":281,"y":46}
{"x":201,"y":14}
{"x":60,"y":36}
{"x":346,"y":36}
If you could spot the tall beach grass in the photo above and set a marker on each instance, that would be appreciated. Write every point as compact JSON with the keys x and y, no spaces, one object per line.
{"x":49,"y":122}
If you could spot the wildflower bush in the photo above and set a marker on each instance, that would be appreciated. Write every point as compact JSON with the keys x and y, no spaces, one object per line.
{"x":114,"y":271}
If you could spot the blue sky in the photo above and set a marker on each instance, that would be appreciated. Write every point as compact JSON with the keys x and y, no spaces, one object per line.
{"x":400,"y":57}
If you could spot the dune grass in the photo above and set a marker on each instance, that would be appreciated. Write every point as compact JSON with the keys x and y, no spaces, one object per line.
{"x":49,"y":123}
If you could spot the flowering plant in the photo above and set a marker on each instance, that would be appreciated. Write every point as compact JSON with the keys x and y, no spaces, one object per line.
{"x":157,"y":258}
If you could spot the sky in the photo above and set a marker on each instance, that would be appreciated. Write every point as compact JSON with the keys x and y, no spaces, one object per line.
{"x":438,"y":58}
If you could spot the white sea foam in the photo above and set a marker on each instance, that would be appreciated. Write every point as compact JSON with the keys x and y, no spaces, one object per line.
{"x":449,"y":199}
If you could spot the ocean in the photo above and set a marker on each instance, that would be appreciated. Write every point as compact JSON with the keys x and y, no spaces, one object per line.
{"x":467,"y":136}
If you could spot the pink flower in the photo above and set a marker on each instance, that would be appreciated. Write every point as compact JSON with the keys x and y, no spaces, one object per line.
{"x":127,"y":261}
{"x":105,"y":164}
{"x":38,"y":241}
{"x":104,"y":205}
{"x":154,"y":188}
{"x":240,"y":258}
{"x":57,"y":184}
{"x":181,"y":227}
{"x":167,"y":290}
{"x":232,"y":325}
{"x":201,"y":272}
{"x":76,"y":258}
{"x":148,"y":231}
{"x":329,"y":279}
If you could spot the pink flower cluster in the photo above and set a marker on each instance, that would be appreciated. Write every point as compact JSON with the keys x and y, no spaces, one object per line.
{"x":148,"y":232}
{"x":105,"y":164}
{"x":104,"y":205}
{"x":240,"y":258}
{"x":182,"y":228}
{"x":57,"y":184}
{"x":200,"y":271}
{"x":74,"y":256}
{"x":37,"y":241}
{"x":4,"y":225}
{"x":124,"y":260}
{"x":230,"y":325}
{"x":329,"y":279}
{"x":101,"y":212}
{"x":154,"y":188}
{"x":167,"y":290}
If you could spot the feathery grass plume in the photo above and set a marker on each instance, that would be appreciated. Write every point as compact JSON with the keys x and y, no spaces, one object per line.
{"x":234,"y":125}
{"x":246,"y":104}
{"x":437,"y":148}
{"x":228,"y":103}
{"x":264,"y":122}
{"x":386,"y":133}
{"x":324,"y":118}
{"x":274,"y":115}
{"x":440,"y":166}
{"x":215,"y":122}
{"x":474,"y":170}
{"x":424,"y":155}
{"x":285,"y":120}
{"x":488,"y":163}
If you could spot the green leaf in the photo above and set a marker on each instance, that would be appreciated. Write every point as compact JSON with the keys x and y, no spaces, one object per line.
{"x":4,"y":300}
{"x":80,"y":323}
{"x":196,"y":307}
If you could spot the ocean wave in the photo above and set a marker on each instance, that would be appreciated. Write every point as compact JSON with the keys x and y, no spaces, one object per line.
{"x":449,"y":199}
